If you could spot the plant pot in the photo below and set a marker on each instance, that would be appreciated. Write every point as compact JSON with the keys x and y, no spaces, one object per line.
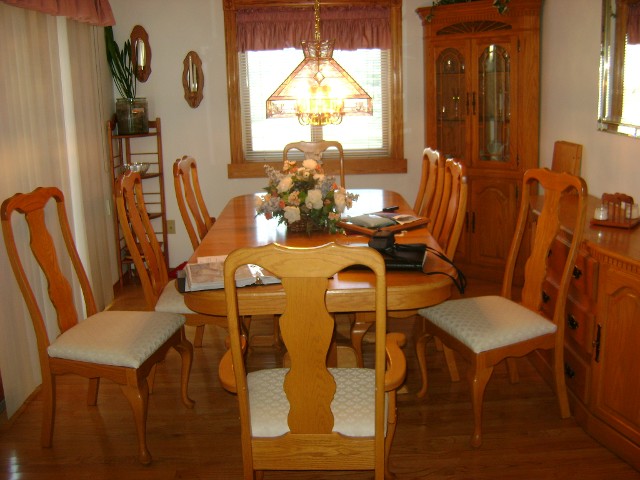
{"x":132,"y":115}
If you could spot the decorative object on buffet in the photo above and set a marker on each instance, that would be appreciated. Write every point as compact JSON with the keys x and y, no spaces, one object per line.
{"x":319,"y":91}
{"x":140,"y":53}
{"x":617,"y":210}
{"x":192,"y":79}
{"x":131,"y":112}
{"x":304,"y":198}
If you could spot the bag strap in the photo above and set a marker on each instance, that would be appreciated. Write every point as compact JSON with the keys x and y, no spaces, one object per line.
{"x":460,"y":281}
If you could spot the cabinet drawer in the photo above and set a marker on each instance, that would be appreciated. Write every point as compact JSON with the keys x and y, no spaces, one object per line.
{"x":579,"y":325}
{"x":575,"y":372}
{"x":585,"y":271}
{"x":579,"y":320}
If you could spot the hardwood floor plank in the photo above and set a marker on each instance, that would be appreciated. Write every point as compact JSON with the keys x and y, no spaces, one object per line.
{"x":523,"y":434}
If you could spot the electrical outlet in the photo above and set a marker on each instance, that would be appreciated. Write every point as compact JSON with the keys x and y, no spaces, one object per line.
{"x":171,"y":226}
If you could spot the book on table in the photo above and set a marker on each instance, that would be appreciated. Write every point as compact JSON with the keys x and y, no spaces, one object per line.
{"x":369,"y":223}
{"x":208,"y":274}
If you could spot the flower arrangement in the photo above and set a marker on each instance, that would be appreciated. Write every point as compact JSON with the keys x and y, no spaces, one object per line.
{"x":304,"y":193}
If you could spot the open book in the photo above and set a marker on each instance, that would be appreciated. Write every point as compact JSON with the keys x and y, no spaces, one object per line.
{"x":208,"y":274}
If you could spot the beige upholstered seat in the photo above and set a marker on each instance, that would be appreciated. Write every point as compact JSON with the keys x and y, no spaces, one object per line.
{"x":160,"y":293}
{"x":122,"y":347}
{"x":487,"y":330}
{"x":315,"y":151}
{"x":309,"y":416}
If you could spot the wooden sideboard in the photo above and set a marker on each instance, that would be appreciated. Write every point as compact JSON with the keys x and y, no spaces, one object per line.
{"x":602,"y":332}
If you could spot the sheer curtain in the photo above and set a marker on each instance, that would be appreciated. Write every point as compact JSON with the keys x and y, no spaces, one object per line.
{"x":51,"y":122}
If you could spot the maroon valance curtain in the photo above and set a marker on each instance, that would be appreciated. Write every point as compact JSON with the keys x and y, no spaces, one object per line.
{"x":279,"y":27}
{"x":633,"y":24}
{"x":94,"y":12}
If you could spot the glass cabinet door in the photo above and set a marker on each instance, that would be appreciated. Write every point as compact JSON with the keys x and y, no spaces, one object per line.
{"x":451,"y":103}
{"x":492,"y":109}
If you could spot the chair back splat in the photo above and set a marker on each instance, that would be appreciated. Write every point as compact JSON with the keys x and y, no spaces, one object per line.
{"x":123,"y":347}
{"x":305,"y":417}
{"x":315,"y":151}
{"x":191,"y":204}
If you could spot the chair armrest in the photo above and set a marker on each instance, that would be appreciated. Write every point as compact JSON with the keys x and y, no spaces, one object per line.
{"x":396,"y":361}
{"x":226,"y":373}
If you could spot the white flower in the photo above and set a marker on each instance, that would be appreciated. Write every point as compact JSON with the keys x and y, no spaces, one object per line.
{"x":314,"y":199}
{"x":285,"y":184}
{"x":309,"y":164}
{"x":341,"y":201}
{"x":292,"y":214}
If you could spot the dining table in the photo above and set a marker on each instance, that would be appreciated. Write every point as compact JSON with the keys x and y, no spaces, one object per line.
{"x":349,"y":291}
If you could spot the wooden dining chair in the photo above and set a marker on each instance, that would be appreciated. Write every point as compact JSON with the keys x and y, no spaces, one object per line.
{"x":191,"y":204}
{"x":567,"y":157}
{"x":315,"y":151}
{"x":427,"y":200}
{"x":160,"y":293}
{"x":122,"y":347}
{"x":309,"y":416}
{"x":486,"y":330}
{"x":446,"y":227}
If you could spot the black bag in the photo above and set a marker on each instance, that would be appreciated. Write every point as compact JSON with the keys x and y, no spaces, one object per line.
{"x":398,"y":256}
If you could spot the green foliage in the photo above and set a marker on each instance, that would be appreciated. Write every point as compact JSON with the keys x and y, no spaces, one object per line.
{"x":121,"y":65}
{"x":501,"y":5}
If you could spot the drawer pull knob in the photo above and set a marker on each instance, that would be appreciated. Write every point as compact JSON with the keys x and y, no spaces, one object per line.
{"x":545,"y":297}
{"x":573,"y":323}
{"x":577,"y":273}
{"x":568,"y":371}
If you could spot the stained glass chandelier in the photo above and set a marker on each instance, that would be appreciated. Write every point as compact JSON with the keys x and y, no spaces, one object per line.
{"x":319,"y":91}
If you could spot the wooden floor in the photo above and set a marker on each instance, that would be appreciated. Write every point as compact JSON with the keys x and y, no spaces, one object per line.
{"x":524,"y":437}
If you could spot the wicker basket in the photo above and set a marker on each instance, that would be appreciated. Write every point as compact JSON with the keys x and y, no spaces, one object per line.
{"x":304,"y":225}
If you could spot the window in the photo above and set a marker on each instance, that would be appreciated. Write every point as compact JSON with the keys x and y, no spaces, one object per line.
{"x":372,"y":144}
{"x":619,"y":110}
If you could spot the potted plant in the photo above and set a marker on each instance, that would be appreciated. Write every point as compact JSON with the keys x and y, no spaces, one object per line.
{"x":501,"y":5}
{"x":131,"y":112}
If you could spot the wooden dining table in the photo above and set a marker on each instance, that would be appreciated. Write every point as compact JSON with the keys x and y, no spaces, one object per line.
{"x":350,"y":291}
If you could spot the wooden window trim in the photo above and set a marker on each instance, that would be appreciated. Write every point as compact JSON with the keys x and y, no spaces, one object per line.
{"x":239,"y":166}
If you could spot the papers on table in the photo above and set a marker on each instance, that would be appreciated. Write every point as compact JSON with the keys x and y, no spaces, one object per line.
{"x":208,"y":274}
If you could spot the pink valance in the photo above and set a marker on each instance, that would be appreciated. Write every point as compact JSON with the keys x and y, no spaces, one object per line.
{"x":633,"y":24}
{"x":94,"y":12}
{"x":277,"y":28}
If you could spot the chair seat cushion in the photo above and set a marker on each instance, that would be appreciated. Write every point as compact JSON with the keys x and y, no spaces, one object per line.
{"x":124,"y":339}
{"x":171,"y":300}
{"x":486,"y":323}
{"x":353,"y":405}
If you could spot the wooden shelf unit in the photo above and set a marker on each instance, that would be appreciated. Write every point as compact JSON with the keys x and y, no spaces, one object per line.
{"x":127,"y":149}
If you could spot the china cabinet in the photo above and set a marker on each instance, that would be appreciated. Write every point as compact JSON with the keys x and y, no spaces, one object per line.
{"x":602,"y":333}
{"x":482,"y":107}
{"x":143,"y":148}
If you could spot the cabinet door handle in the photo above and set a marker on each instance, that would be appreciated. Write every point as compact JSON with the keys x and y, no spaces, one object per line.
{"x":468,"y":110}
{"x":473,"y":222}
{"x":573,"y":323}
{"x":577,"y":273}
{"x":568,"y":371}
{"x":473,"y":102}
{"x":596,"y":342}
{"x":545,"y":297}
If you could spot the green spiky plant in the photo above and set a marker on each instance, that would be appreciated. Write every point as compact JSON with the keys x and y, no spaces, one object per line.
{"x":501,"y":5}
{"x":121,"y":65}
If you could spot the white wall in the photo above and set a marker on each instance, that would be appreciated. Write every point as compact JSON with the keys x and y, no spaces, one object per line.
{"x":569,"y":81}
{"x":569,"y":110}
